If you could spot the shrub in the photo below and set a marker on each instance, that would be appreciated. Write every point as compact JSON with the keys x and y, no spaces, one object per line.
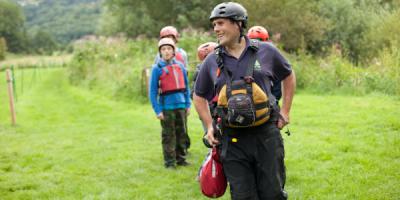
{"x":114,"y":65}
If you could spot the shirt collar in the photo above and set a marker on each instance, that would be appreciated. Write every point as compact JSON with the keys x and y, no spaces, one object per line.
{"x":223,"y":50}
{"x":164,"y":63}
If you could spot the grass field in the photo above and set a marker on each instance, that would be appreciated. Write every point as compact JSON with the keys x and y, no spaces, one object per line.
{"x":71,"y":143}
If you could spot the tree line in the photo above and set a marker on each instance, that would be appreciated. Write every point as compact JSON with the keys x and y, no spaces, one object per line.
{"x":47,"y":26}
{"x":359,"y":29}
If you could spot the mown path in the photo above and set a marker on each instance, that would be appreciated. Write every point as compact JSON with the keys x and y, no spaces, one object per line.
{"x":71,"y":143}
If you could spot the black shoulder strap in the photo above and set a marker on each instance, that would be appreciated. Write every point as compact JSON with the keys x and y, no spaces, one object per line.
{"x":220,"y":62}
{"x":252,"y":61}
{"x":218,"y":52}
{"x":271,"y":98}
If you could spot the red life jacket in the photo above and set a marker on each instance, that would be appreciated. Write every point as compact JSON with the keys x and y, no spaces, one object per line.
{"x":172,"y":79}
{"x":179,"y":57}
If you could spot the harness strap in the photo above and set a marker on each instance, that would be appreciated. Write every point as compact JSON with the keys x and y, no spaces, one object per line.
{"x":261,"y":105}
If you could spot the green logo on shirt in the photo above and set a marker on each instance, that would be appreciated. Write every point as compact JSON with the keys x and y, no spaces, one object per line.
{"x":257,"y":65}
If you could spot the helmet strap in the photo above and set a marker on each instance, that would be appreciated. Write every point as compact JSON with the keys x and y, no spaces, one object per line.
{"x":241,"y":30}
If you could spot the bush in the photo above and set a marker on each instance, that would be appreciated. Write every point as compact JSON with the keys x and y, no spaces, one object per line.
{"x":114,"y":65}
{"x":384,"y":75}
{"x":335,"y":74}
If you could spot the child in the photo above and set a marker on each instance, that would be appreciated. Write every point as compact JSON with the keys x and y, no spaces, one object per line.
{"x":169,"y":96}
{"x":180,"y":54}
{"x":202,"y":51}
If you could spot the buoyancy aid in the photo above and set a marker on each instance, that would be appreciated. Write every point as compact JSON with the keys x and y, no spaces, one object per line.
{"x":171,"y":79}
{"x":179,"y":57}
{"x":242,"y":103}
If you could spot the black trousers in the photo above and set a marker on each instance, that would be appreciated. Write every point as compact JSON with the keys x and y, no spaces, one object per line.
{"x":253,"y":160}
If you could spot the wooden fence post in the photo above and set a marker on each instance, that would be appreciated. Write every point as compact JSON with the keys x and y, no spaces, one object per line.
{"x":11,"y":96}
{"x":145,"y":81}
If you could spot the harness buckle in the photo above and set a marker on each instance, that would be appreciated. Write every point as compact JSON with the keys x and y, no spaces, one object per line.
{"x":248,"y":79}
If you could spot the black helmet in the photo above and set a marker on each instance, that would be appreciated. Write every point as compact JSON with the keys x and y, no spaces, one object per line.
{"x":230,"y":10}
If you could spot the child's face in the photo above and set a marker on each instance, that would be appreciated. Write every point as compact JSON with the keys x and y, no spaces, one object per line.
{"x":167,"y":52}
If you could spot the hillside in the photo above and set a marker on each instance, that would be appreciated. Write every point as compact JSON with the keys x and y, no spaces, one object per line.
{"x":66,"y":20}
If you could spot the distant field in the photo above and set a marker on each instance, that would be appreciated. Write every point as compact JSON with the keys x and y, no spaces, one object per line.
{"x":71,"y":143}
{"x":30,"y":61}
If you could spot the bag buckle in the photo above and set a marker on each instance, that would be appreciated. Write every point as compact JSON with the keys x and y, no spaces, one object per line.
{"x":248,"y":79}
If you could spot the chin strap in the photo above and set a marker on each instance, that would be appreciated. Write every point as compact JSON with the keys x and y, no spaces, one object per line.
{"x":241,"y":31}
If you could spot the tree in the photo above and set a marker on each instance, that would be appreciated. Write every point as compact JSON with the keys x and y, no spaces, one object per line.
{"x":65,"y":20}
{"x":297,"y":21}
{"x":148,"y":17}
{"x":43,"y":43}
{"x":350,"y":22}
{"x":12,"y":25}
{"x":382,"y":34}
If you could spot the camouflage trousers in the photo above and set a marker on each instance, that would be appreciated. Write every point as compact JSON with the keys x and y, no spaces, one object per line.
{"x":174,"y":136}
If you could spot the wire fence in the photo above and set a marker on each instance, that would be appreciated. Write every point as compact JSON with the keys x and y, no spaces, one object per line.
{"x":20,"y":75}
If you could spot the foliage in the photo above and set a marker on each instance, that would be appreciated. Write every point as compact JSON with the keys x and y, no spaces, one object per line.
{"x":64,"y":20}
{"x":3,"y":48}
{"x":147,"y":17}
{"x":384,"y":74}
{"x":299,"y":25}
{"x":383,"y":34}
{"x":43,"y":43}
{"x":12,"y":26}
{"x":349,"y":23}
{"x":71,"y":143}
{"x":115,"y":65}
{"x":335,"y":74}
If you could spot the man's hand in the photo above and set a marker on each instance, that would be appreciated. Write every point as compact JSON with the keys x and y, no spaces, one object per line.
{"x":289,"y":86}
{"x":160,"y":116}
{"x":210,"y":137}
{"x":283,"y":120}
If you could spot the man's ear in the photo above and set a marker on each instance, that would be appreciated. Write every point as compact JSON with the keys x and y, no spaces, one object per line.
{"x":241,"y":24}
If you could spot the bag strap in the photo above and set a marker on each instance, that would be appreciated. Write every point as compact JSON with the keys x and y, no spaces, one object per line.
{"x":249,"y":71}
{"x":254,"y":45}
{"x":271,"y":98}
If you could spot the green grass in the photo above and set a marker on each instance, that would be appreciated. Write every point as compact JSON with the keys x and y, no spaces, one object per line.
{"x":71,"y":143}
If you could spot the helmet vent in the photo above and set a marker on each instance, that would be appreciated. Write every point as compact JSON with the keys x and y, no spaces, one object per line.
{"x":222,"y":12}
{"x":223,"y":7}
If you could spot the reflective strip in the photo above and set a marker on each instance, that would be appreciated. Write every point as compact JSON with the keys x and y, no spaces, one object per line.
{"x":176,"y":77}
{"x":214,"y":170}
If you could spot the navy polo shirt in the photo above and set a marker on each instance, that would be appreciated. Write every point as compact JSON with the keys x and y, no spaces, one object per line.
{"x":272,"y":65}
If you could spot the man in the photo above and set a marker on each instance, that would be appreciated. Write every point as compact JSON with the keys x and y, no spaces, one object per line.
{"x":252,"y":156}
{"x":260,"y":33}
{"x":180,"y":54}
{"x":169,"y":96}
